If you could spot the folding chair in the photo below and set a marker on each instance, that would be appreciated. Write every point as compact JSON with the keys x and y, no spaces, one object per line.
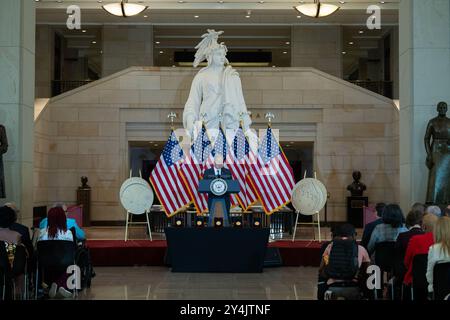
{"x":419,"y":287}
{"x":441,"y":281}
{"x":385,"y":259}
{"x":54,"y":254}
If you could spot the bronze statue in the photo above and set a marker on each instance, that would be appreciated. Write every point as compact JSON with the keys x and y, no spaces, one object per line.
{"x":437,"y":145}
{"x":3,"y":149}
{"x":357,"y":188}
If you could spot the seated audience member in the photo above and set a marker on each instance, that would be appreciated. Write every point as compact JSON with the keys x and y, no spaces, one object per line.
{"x":419,"y":207}
{"x":440,"y":251}
{"x":7,"y":216}
{"x":56,"y":230}
{"x":434,"y":210}
{"x":344,"y":261}
{"x":447,"y":212}
{"x":71,"y":223}
{"x":414,"y":221}
{"x":389,"y":230}
{"x":419,"y":244}
{"x":368,"y":229}
{"x":20,"y":228}
{"x":11,"y":237}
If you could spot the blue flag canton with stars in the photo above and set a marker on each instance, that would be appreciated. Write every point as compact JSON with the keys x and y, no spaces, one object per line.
{"x":201,"y":147}
{"x":269,"y":148}
{"x":220,"y":145}
{"x":172,"y":152}
{"x":241,"y":147}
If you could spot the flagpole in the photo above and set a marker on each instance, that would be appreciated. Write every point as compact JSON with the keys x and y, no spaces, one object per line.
{"x":172,"y":115}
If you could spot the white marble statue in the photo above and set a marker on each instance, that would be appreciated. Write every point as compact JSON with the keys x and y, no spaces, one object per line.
{"x":216,"y":91}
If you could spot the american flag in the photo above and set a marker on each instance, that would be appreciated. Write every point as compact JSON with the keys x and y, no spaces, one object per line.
{"x":221,"y":147}
{"x":192,"y":169}
{"x":271,"y":175}
{"x":241,"y":153}
{"x":165,"y":180}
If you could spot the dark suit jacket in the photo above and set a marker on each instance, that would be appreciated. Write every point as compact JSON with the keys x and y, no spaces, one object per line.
{"x":226,"y":175}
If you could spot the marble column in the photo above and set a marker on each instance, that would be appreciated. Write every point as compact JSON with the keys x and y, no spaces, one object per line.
{"x":424,"y":81}
{"x":17,"y":54}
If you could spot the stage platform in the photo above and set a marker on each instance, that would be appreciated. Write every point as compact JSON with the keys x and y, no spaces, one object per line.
{"x":152,"y":253}
{"x":109,"y":249}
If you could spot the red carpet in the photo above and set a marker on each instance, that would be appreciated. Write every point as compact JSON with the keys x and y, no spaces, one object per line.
{"x":151,"y":253}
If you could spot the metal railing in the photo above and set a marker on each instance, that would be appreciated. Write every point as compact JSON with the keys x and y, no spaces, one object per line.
{"x":61,"y":86}
{"x":381,"y":87}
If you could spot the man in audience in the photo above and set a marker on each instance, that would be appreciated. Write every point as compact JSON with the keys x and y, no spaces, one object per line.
{"x":20,"y":228}
{"x":71,"y":223}
{"x":419,"y":244}
{"x":447,"y":212}
{"x":368,"y":229}
{"x":434,"y":210}
{"x":344,"y":261}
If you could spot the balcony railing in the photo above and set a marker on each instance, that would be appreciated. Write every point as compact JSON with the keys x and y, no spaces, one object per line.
{"x":381,"y":87}
{"x":61,"y":86}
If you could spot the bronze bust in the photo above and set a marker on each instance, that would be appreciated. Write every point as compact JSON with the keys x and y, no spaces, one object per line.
{"x":84,"y":181}
{"x":3,"y":150}
{"x":357,"y":188}
{"x":437,"y":146}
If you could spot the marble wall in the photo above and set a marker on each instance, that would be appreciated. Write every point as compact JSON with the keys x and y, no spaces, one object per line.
{"x":87,"y":131}
{"x":318,"y":47}
{"x":126,"y":46}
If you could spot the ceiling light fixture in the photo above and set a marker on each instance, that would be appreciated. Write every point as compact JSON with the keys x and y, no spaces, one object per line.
{"x":124,"y":9}
{"x":317,"y":9}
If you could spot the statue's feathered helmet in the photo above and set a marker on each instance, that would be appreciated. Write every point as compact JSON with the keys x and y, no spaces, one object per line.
{"x":208,"y":46}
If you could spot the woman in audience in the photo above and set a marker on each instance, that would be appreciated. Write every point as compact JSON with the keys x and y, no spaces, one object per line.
{"x":419,"y":244}
{"x":440,"y":251}
{"x":57,"y":230}
{"x":389,"y":230}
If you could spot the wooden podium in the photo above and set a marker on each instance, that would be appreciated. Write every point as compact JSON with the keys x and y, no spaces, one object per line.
{"x":218,"y":190}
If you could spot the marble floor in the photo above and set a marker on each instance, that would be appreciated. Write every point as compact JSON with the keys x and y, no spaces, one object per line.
{"x":158,"y":283}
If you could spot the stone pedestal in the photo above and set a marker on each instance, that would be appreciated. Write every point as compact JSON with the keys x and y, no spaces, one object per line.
{"x":355,"y":210}
{"x":84,"y":199}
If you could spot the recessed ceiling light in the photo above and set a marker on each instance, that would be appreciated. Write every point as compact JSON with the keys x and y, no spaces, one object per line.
{"x":361,"y":31}
{"x":298,"y":17}
{"x":284,"y":52}
{"x":247,"y":16}
{"x":343,"y":52}
{"x":94,"y":42}
{"x":351,"y":43}
{"x":287,"y":42}
{"x":145,"y":16}
{"x":161,"y":52}
{"x":196,"y":17}
{"x":84,"y":31}
{"x":181,"y":1}
{"x":157,"y":42}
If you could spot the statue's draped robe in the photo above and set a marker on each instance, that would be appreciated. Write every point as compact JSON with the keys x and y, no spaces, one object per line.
{"x":215,"y":94}
{"x":3,"y":149}
{"x":439,"y":176}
